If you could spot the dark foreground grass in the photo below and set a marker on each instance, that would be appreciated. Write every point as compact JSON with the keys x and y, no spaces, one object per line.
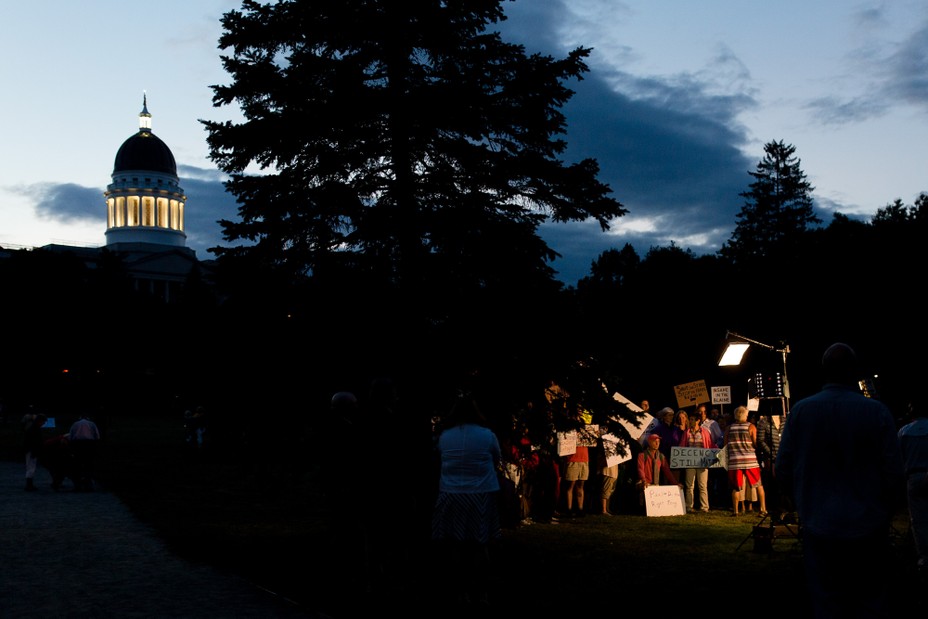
{"x":257,"y":510}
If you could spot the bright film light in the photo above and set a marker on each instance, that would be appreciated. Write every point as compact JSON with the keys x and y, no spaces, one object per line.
{"x":734,"y":353}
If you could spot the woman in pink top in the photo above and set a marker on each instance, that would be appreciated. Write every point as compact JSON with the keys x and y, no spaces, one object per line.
{"x":696,"y":436}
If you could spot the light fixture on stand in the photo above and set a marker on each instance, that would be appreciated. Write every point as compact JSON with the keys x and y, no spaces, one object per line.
{"x":739,"y":344}
{"x":734,"y":353}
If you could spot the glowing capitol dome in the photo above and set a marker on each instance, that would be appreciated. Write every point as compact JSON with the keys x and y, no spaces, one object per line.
{"x":145,"y":202}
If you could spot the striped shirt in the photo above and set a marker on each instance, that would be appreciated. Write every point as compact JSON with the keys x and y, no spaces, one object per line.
{"x":740,"y":447}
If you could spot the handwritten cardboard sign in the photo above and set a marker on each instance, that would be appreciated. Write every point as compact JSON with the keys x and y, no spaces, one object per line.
{"x":690,"y":394}
{"x":566,"y":443}
{"x":664,"y":501}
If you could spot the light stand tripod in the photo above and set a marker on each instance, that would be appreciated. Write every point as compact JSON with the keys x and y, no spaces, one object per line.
{"x":764,"y":536}
{"x":763,"y":542}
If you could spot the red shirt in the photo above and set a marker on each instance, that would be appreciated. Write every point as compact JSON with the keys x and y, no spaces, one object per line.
{"x":581,"y":455}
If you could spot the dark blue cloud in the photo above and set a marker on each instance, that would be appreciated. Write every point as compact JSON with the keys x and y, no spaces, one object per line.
{"x":897,"y":77}
{"x":837,"y":111}
{"x":909,"y":66}
{"x":670,"y":150}
{"x":207,"y":202}
{"x":67,"y":202}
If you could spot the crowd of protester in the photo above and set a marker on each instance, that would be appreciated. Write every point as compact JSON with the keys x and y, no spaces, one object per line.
{"x":576,"y":450}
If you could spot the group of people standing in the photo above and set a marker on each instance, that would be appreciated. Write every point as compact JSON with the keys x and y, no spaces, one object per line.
{"x":841,"y":461}
{"x":474,"y":462}
{"x":835,"y":459}
{"x":740,"y":438}
{"x":838,"y":458}
{"x":70,"y":455}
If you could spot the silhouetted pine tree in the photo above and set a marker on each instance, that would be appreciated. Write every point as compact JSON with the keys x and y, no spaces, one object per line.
{"x":402,"y":143}
{"x":407,"y":156}
{"x":777,"y":209}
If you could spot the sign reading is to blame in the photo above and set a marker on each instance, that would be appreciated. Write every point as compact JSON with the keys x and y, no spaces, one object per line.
{"x":721,"y":395}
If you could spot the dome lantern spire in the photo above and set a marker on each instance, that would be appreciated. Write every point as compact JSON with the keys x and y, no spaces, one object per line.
{"x":144,"y":115}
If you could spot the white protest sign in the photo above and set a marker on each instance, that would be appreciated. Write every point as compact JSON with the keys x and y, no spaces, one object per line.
{"x":636,"y":429}
{"x":566,"y":443}
{"x":721,"y":395}
{"x":694,"y":458}
{"x":588,"y":435}
{"x":611,"y":444}
{"x":664,"y":501}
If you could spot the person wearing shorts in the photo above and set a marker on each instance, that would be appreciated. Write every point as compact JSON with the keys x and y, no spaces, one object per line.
{"x":577,"y":471}
{"x":743,"y":467}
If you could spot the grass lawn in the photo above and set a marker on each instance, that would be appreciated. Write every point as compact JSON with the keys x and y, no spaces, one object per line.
{"x":258,"y":511}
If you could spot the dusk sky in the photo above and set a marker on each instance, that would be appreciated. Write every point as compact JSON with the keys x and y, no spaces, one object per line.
{"x":679,"y":102}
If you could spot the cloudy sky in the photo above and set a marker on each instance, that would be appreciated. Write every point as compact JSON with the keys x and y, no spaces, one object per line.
{"x":679,"y":101}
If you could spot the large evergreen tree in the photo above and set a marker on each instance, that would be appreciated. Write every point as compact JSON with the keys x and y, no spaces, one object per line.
{"x":777,"y":210}
{"x":402,"y":142}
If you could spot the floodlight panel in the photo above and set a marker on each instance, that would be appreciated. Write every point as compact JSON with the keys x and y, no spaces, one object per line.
{"x":734,"y":353}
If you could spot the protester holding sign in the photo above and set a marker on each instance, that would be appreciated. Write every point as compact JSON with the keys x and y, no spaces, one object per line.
{"x":696,"y":478}
{"x":653,"y":467}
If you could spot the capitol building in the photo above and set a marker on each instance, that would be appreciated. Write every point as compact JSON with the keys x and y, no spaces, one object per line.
{"x":145,"y":207}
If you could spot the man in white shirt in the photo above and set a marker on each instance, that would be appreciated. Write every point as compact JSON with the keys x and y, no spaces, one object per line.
{"x":83,"y":438}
